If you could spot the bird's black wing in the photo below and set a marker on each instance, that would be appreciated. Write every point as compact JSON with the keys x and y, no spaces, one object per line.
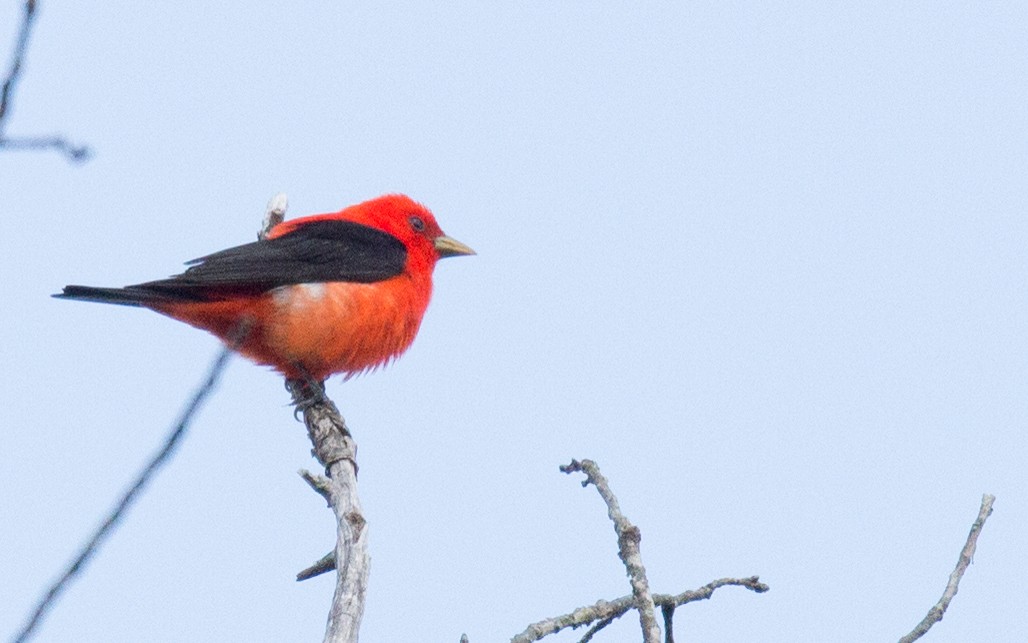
{"x":318,"y":251}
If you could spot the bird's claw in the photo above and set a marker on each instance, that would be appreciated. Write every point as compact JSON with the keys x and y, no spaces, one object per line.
{"x":307,"y":392}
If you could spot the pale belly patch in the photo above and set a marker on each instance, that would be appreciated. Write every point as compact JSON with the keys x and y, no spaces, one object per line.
{"x":342,"y":326}
{"x":298,"y":294}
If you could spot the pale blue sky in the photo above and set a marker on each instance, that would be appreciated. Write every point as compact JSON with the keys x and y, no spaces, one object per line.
{"x":764,"y":262}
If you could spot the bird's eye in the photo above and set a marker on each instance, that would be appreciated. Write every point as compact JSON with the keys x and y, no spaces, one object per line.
{"x":417,"y":224}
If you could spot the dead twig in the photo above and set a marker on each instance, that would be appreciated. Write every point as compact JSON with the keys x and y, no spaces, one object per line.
{"x":142,"y":480}
{"x":274,"y":214}
{"x":603,"y":613}
{"x":937,"y":611}
{"x":336,"y":450}
{"x":76,"y":153}
{"x":604,"y":610}
{"x":629,"y":538}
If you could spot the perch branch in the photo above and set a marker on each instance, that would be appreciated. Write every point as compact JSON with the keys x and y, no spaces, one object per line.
{"x":336,"y":450}
{"x":937,"y":611}
{"x":629,"y":538}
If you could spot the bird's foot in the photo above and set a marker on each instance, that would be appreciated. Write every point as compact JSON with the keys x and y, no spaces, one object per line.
{"x":307,"y":392}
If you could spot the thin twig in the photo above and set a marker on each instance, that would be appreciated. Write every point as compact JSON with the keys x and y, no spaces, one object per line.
{"x":144,"y":478}
{"x":603,"y":610}
{"x":21,"y":45}
{"x":77,"y":153}
{"x":669,"y":623}
{"x":596,"y":627}
{"x":323,"y":565}
{"x":629,"y":538}
{"x":937,"y":611}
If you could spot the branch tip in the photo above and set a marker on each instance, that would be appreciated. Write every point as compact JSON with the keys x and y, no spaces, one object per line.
{"x":320,"y":484}
{"x":274,"y":214}
{"x":573,"y":467}
{"x":324,"y":565}
{"x":937,"y":611}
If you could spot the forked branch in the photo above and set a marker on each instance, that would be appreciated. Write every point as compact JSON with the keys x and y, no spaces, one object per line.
{"x":603,"y":613}
{"x":629,"y":538}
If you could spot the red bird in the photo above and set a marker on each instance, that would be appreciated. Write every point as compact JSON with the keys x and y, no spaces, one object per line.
{"x":325,"y":294}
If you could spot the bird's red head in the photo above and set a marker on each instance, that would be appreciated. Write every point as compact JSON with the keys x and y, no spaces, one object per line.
{"x":402,"y":217}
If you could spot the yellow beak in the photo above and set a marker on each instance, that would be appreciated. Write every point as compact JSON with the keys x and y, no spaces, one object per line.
{"x":449,"y":247}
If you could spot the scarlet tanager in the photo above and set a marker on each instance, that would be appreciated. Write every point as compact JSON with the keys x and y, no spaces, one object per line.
{"x":319,"y":295}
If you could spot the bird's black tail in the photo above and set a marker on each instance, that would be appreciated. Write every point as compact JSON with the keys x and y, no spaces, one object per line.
{"x":120,"y":296}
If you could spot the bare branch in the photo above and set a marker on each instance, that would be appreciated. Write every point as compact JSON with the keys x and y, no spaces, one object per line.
{"x":604,"y":610}
{"x":144,"y":478}
{"x":336,"y":450}
{"x":76,"y":153}
{"x":629,"y":538}
{"x":677,"y":600}
{"x":937,"y":611}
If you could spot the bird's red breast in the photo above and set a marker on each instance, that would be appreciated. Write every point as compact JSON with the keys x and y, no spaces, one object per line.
{"x":331,"y":293}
